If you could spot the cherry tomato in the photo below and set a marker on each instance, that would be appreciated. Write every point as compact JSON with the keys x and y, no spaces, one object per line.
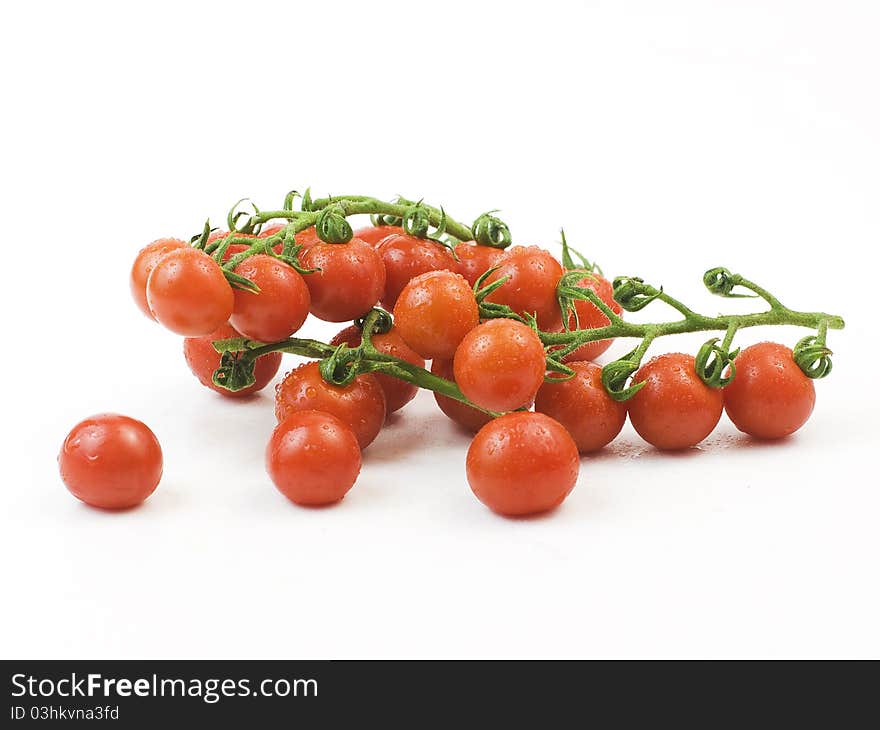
{"x":375,"y":234}
{"x":143,"y":265}
{"x":350,"y":280}
{"x":674,"y":409}
{"x":533,"y":275}
{"x":500,"y":365}
{"x":434,"y":312}
{"x":360,"y":405}
{"x":464,"y":415}
{"x":475,"y":260}
{"x":522,"y":463}
{"x":313,"y":458}
{"x":203,"y":360}
{"x":216,"y":235}
{"x":111,"y":461}
{"x":397,"y":392}
{"x":583,"y":406}
{"x":278,"y":309}
{"x":769,"y":396}
{"x":591,"y":317}
{"x":272,"y":229}
{"x":188,"y":293}
{"x":406,"y":257}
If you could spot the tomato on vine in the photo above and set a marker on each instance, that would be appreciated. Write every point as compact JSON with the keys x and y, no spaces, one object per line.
{"x":188,"y":293}
{"x":475,"y":260}
{"x":360,"y":404}
{"x":674,"y":409}
{"x":500,"y":365}
{"x":434,"y":312}
{"x":583,"y":406}
{"x":143,"y":266}
{"x":203,"y":360}
{"x":313,"y":458}
{"x":397,"y":392}
{"x":111,"y":461}
{"x":374,"y":235}
{"x":348,"y":281}
{"x":589,"y":316}
{"x":464,"y":415}
{"x":278,"y":309}
{"x":769,"y":396}
{"x":405,"y":257}
{"x":522,"y":463}
{"x":532,"y":276}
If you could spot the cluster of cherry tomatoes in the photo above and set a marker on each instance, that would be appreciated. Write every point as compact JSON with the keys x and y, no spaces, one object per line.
{"x":520,"y":461}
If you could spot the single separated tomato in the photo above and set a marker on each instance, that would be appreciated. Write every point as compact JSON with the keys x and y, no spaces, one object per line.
{"x":313,"y":458}
{"x":532,"y":276}
{"x":405,"y":257}
{"x":769,"y":396}
{"x":203,"y":360}
{"x":188,"y":293}
{"x":397,"y":392}
{"x":374,"y":235}
{"x":475,"y":260}
{"x":500,"y":365}
{"x":434,"y":312}
{"x":278,"y":309}
{"x":111,"y":461}
{"x":143,"y":266}
{"x":583,"y":406}
{"x":674,"y":409}
{"x":360,"y":404}
{"x":589,"y":316}
{"x":464,"y":415}
{"x":349,"y":281}
{"x":522,"y":464}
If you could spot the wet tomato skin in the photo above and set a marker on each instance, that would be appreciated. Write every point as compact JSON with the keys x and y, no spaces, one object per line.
{"x":475,"y":260}
{"x":769,"y":396}
{"x":313,"y":458}
{"x":674,"y":409}
{"x":582,"y":405}
{"x":278,"y":309}
{"x":111,"y":461}
{"x":397,"y":392}
{"x":188,"y":293}
{"x":374,"y":235}
{"x":405,"y":257}
{"x":434,"y":312}
{"x":522,"y":463}
{"x":500,"y":365}
{"x":349,"y":282}
{"x":591,"y":317}
{"x":360,"y":404}
{"x":464,"y":415}
{"x":203,"y":360}
{"x":143,"y":265}
{"x":532,"y":276}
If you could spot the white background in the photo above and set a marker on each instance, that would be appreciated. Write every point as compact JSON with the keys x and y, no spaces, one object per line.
{"x":666,"y":137}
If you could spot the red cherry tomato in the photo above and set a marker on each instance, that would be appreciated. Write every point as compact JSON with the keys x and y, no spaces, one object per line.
{"x":405,"y":257}
{"x":522,"y":464}
{"x":533,"y":275}
{"x":278,"y":309}
{"x":203,"y":360}
{"x":591,"y":317}
{"x":216,"y":235}
{"x":674,"y":409}
{"x":583,"y":406}
{"x":769,"y":396}
{"x":434,"y":312}
{"x":464,"y":415}
{"x":349,"y":282}
{"x":475,"y":260}
{"x":111,"y":461}
{"x":375,"y":234}
{"x":272,"y":229}
{"x":144,"y":263}
{"x":188,"y":293}
{"x":397,"y":392}
{"x":313,"y":458}
{"x":360,"y":405}
{"x":500,"y":365}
